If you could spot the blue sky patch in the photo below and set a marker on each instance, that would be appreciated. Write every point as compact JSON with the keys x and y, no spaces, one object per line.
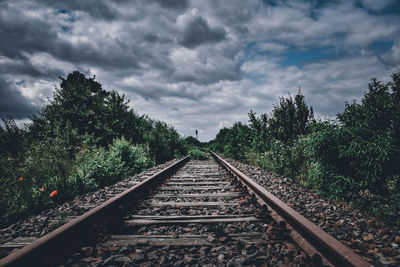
{"x":299,"y":58}
{"x":381,"y":47}
{"x":390,"y":7}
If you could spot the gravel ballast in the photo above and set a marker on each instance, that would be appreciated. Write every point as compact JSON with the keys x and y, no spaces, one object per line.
{"x":38,"y":225}
{"x":376,"y":242}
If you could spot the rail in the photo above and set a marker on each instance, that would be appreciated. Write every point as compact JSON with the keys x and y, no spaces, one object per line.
{"x":64,"y":239}
{"x":334,"y":251}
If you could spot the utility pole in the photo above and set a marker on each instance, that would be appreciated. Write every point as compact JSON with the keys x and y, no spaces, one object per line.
{"x":196,"y":135}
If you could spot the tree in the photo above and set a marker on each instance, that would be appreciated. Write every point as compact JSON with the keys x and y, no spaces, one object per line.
{"x":11,"y":138}
{"x":259,"y":126}
{"x":91,"y":114}
{"x":79,"y":105}
{"x":164,"y":142}
{"x":234,"y":142}
{"x":290,"y":118}
{"x":369,"y":139}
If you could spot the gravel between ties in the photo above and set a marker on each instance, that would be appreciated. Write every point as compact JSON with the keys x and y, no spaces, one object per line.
{"x":257,"y":242}
{"x":376,"y":242}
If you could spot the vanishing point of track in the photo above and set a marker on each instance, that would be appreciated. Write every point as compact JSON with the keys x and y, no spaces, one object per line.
{"x":190,"y":213}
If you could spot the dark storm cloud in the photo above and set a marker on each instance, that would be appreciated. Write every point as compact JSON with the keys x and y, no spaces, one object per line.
{"x":12,"y":102}
{"x":198,"y":32}
{"x":200,"y":57}
{"x":21,"y":67}
{"x":24,"y":67}
{"x":95,"y":8}
{"x":178,"y":4}
{"x":21,"y":34}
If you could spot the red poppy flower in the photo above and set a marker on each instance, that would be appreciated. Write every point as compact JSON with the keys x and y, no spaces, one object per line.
{"x":42,"y":189}
{"x":21,"y":179}
{"x":52,"y":194}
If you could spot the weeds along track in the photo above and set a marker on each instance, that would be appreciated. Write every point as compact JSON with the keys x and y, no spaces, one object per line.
{"x":194,"y":213}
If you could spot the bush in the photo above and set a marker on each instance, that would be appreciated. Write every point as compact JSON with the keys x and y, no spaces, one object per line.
{"x":347,"y":159}
{"x":286,"y":160}
{"x":72,"y":146}
{"x":98,"y":167}
{"x":164,"y":142}
{"x":198,"y":154}
{"x":27,"y":187}
{"x":26,"y":184}
{"x":276,"y":159}
{"x":387,"y":207}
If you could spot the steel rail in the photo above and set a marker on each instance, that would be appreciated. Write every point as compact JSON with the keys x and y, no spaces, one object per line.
{"x":334,"y":251}
{"x":60,"y":242}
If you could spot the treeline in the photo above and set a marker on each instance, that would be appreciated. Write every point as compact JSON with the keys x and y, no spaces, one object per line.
{"x":355,"y":157}
{"x":83,"y":139}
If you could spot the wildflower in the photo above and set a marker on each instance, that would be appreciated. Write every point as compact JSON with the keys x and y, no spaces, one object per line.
{"x":42,"y":189}
{"x":52,"y":194}
{"x":21,"y":179}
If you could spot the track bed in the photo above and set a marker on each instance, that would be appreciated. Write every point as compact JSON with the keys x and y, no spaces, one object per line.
{"x":210,"y":219}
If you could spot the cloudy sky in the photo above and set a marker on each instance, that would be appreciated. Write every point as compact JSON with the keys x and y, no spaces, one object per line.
{"x":198,"y":64}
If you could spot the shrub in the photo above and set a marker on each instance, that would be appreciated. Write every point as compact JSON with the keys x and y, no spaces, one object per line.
{"x":164,"y":142}
{"x":198,"y":154}
{"x":98,"y":167}
{"x":347,"y":159}
{"x":281,"y":158}
{"x":135,"y":158}
{"x":48,"y":151}
{"x":43,"y":162}
{"x":46,"y":169}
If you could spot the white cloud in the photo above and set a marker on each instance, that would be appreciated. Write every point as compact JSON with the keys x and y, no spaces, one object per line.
{"x":199,"y":64}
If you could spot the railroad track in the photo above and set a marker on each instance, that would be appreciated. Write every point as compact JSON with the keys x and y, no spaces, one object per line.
{"x":196,"y":212}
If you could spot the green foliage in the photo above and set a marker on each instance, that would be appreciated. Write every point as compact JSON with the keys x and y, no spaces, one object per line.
{"x":234,"y":142}
{"x":387,"y":207}
{"x":77,"y":143}
{"x":98,"y":167}
{"x":44,"y":163}
{"x":44,"y":171}
{"x":369,"y":138}
{"x":190,"y":141}
{"x":83,"y":112}
{"x":11,"y":138}
{"x":164,"y":142}
{"x":198,"y":154}
{"x":272,"y":136}
{"x":261,"y":133}
{"x":290,"y":119}
{"x":355,"y":158}
{"x":364,"y":148}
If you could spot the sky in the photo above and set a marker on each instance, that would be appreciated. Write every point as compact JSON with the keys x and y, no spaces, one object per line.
{"x":198,"y":64}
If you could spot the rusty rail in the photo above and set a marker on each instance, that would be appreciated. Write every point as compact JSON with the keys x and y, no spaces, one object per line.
{"x":334,"y":251}
{"x":60,"y":242}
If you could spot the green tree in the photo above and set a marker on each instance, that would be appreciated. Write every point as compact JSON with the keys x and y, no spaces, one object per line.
{"x":164,"y":142}
{"x":47,"y":151}
{"x":290,"y":118}
{"x":261,"y":133}
{"x":369,"y":138}
{"x":79,"y":104}
{"x":234,"y":142}
{"x":11,"y":138}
